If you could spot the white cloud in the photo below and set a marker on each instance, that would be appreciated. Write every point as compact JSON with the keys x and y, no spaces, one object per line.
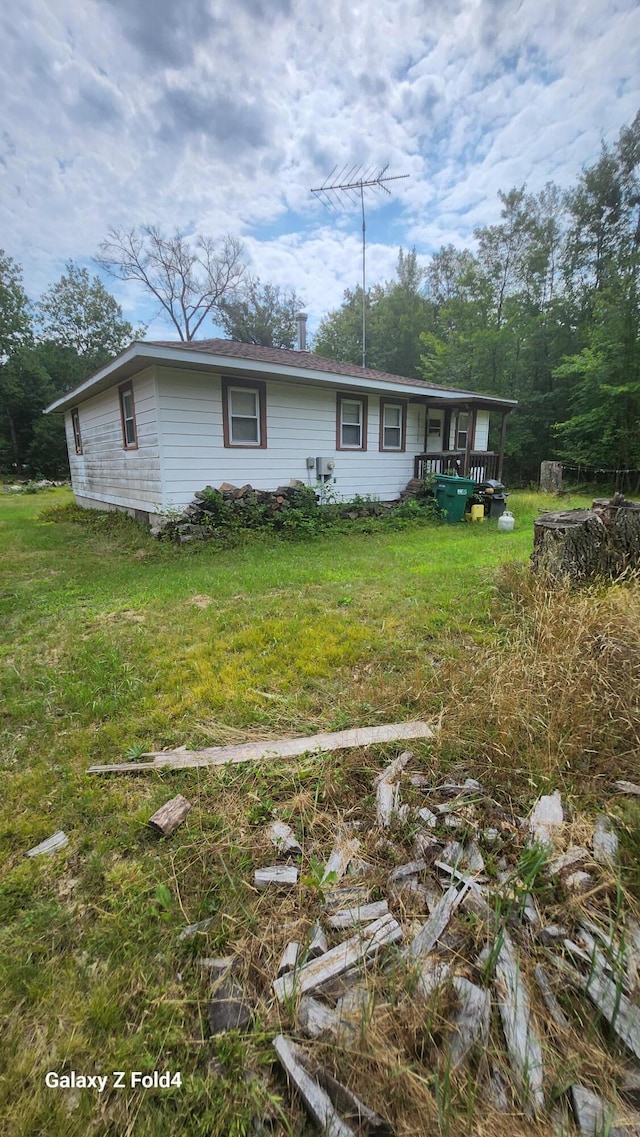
{"x":218,"y":117}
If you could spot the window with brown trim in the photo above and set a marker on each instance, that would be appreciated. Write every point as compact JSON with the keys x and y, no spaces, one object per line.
{"x":393,"y":424}
{"x":462,"y":430}
{"x":351,"y":425}
{"x":128,"y":416}
{"x":75,"y":423}
{"x":244,"y":413}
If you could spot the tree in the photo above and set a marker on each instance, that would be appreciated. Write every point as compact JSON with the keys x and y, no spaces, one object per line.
{"x":261,"y":314}
{"x":78,"y":312}
{"x":15,"y":319}
{"x":190,"y":278}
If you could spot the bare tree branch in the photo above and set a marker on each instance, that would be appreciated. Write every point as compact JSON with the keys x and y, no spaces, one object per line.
{"x":189,"y":278}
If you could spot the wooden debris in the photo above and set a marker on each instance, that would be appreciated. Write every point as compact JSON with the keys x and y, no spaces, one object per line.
{"x":572,"y":859}
{"x":547,"y":819}
{"x":402,"y":872}
{"x":344,"y":849}
{"x":170,"y":815}
{"x":420,"y":781}
{"x":428,"y":817}
{"x":315,"y":1018}
{"x":278,"y":875}
{"x":473,"y":857}
{"x":348,"y":896}
{"x":471,"y":1023}
{"x":262,"y":751}
{"x":393,"y":770}
{"x":339,"y":959}
{"x":593,"y":1116}
{"x":425,"y":847}
{"x":605,"y":842}
{"x":350,"y":917}
{"x":430,"y":933}
{"x":282,"y":836}
{"x":432,"y":973}
{"x":228,"y":1009}
{"x":289,"y":958}
{"x":550,"y":1001}
{"x":217,"y":965}
{"x":606,"y":995}
{"x":59,"y":840}
{"x":552,"y":934}
{"x":315,"y":1098}
{"x":626,"y":787}
{"x":387,"y":802}
{"x":318,"y":943}
{"x":578,"y":882}
{"x":629,"y":1087}
{"x":467,"y":788}
{"x":354,"y":1110}
{"x":452,"y":853}
{"x":523,"y":1045}
{"x":193,"y":929}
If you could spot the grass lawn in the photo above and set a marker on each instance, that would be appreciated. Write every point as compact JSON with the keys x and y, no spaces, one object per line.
{"x":111,"y":644}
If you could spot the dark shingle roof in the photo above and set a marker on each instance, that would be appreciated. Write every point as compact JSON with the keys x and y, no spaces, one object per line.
{"x":285,"y":357}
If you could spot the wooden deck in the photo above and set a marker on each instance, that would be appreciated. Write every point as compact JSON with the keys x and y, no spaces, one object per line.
{"x":476,"y":464}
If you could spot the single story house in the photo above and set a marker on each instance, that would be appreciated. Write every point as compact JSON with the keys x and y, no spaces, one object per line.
{"x":164,"y":419}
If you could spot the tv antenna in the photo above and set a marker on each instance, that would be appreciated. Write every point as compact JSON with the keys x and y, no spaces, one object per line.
{"x":352,"y":183}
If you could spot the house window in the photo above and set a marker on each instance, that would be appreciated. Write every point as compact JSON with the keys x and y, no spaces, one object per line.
{"x":128,"y":416}
{"x":352,"y":423}
{"x":75,"y":423}
{"x":393,"y":425}
{"x":244,"y":418}
{"x":462,"y":430}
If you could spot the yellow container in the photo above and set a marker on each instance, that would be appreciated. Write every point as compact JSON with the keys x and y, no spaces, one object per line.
{"x":477,"y":512}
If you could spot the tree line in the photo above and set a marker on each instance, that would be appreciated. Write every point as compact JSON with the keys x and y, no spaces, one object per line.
{"x":543,"y":309}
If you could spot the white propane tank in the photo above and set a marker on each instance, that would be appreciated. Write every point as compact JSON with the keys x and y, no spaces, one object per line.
{"x":506,"y":522}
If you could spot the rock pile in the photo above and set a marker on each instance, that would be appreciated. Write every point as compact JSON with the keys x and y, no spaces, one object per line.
{"x":214,"y":509}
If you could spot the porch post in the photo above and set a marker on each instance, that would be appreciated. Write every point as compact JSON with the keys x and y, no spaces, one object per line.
{"x":471,"y":436}
{"x":503,"y":434}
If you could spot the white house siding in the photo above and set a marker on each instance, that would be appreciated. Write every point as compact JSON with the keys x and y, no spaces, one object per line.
{"x":106,"y":474}
{"x":301,"y":423}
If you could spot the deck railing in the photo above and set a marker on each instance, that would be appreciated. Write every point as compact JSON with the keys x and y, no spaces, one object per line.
{"x":479,"y":464}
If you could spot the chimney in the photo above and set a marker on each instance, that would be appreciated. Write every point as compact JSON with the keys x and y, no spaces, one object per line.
{"x":302,"y":331}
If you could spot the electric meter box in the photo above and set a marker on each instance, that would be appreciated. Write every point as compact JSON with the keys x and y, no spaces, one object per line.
{"x":325,"y":467}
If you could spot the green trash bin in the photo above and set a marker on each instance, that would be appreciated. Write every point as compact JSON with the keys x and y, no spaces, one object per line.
{"x":451,"y":494}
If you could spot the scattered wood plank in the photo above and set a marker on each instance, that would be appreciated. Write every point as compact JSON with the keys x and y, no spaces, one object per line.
{"x":550,"y":1001}
{"x":578,"y":882}
{"x":431,"y":974}
{"x":393,"y":770}
{"x":170,"y":815}
{"x":262,"y":751}
{"x":282,"y":836}
{"x":523,"y":1045}
{"x":471,"y":1023}
{"x":276,"y":875}
{"x":387,"y":802}
{"x":347,"y":896}
{"x":344,"y":849}
{"x":627,"y":787}
{"x":617,"y":1009}
{"x":339,"y":959}
{"x":605,"y":842}
{"x":289,"y":958}
{"x":573,"y":859}
{"x":193,"y":929}
{"x":353,"y":1109}
{"x":593,"y":1116}
{"x":351,"y":917}
{"x":315,"y":1098}
{"x":59,"y":840}
{"x":402,"y":872}
{"x":318,"y":943}
{"x":228,"y":1009}
{"x":547,"y":819}
{"x":426,"y":939}
{"x":430,"y":819}
{"x":315,"y":1018}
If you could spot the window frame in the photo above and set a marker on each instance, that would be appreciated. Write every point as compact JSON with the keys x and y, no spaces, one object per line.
{"x":123,"y":390}
{"x":402,"y":404}
{"x":466,"y":431}
{"x":346,"y":397}
{"x":260,"y":389}
{"x":75,"y":428}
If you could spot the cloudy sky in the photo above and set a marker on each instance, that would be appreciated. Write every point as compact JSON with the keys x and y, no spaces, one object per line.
{"x":220,"y":116}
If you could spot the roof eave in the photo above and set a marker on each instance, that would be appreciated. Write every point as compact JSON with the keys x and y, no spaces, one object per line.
{"x":140,"y":354}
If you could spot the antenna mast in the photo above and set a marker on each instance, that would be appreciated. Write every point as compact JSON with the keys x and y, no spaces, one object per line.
{"x":352,"y":184}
